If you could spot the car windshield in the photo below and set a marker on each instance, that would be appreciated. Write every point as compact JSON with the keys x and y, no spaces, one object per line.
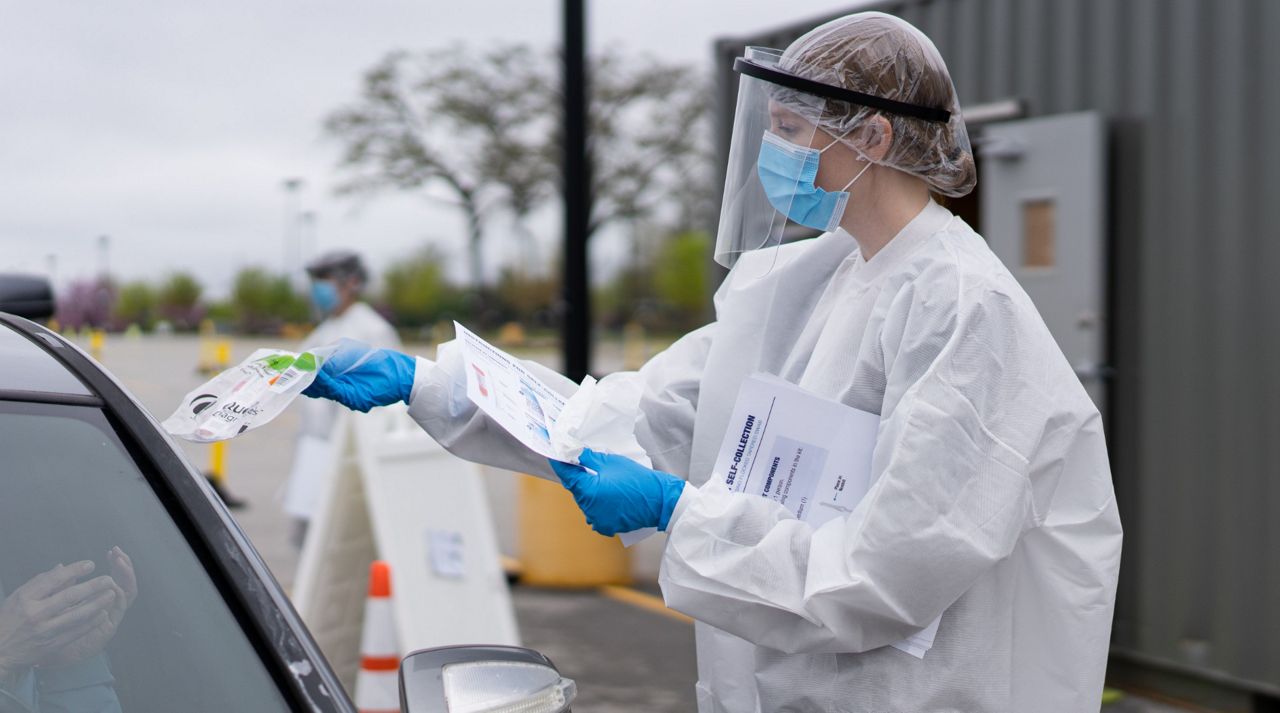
{"x":145,"y":629}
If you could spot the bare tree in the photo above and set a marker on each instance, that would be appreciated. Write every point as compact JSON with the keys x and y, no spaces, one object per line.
{"x":649,"y":140}
{"x":486,"y":127}
{"x":444,"y":119}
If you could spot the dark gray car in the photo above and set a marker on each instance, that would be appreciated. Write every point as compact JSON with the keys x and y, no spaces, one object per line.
{"x":126,"y":585}
{"x":86,"y":475}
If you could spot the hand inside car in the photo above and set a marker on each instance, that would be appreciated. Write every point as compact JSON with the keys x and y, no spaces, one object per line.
{"x":56,"y":619}
{"x":93,"y":641}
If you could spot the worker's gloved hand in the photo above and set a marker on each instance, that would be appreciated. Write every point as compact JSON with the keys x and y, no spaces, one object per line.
{"x":620,"y":495}
{"x":361,"y":377}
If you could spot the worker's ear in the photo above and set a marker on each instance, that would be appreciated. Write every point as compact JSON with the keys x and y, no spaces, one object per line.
{"x":874,"y":138}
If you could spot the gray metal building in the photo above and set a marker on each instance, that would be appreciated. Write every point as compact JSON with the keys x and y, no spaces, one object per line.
{"x":1129,"y":161}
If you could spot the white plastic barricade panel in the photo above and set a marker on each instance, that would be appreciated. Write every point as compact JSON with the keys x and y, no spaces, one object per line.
{"x":431,"y":521}
{"x":333,"y":572}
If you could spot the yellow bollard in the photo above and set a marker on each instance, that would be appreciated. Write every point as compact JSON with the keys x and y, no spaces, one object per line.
{"x":557,"y":548}
{"x":218,"y":462}
{"x":222,"y":354}
{"x":97,"y":338}
{"x":204,"y":364}
{"x":216,"y":472}
{"x":53,"y":325}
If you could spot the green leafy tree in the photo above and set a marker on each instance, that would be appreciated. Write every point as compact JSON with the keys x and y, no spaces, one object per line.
{"x":263,"y":302}
{"x":416,"y":290}
{"x":529,"y":299}
{"x":682,"y":279}
{"x":135,"y":304}
{"x":178,"y":301}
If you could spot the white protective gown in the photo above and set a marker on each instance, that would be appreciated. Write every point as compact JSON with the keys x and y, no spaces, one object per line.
{"x":362,"y":323}
{"x":991,"y":502}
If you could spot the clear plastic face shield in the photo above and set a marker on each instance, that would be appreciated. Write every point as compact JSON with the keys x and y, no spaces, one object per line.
{"x":779,"y":138}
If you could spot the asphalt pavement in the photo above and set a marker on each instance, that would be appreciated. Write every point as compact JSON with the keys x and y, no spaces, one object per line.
{"x":624,"y":656}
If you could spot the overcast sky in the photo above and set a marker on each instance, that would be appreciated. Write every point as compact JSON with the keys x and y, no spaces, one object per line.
{"x":169,"y":126}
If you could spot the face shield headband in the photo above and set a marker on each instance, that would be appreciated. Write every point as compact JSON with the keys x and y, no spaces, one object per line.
{"x":750,"y":68}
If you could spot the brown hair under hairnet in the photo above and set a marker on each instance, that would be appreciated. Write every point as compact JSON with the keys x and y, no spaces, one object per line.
{"x":885,"y":56}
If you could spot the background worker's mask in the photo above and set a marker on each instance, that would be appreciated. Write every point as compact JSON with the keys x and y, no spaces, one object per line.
{"x":324,"y":295}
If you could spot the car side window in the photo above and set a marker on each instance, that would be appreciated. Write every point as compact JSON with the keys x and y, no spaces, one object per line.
{"x":103,"y":604}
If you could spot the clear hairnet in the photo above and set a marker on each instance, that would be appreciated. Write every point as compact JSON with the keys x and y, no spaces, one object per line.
{"x":338,"y":265}
{"x":885,"y":56}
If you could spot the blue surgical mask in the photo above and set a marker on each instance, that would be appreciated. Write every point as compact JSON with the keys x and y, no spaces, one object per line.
{"x":787,"y":172}
{"x":324,"y":295}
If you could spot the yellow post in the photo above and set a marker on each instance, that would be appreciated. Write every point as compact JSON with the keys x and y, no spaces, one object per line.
{"x":222,"y":354}
{"x":207,"y":362}
{"x":557,"y":548}
{"x":218,"y":449}
{"x":97,"y":338}
{"x":218,"y":462}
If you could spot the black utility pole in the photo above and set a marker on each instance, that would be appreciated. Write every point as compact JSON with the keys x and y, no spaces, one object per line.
{"x":577,"y":195}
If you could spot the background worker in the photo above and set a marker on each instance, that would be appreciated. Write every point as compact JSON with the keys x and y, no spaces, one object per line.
{"x":990,"y":503}
{"x":338,"y":282}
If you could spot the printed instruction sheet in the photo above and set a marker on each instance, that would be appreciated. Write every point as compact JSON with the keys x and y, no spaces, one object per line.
{"x":510,"y":394}
{"x":807,"y":453}
{"x":505,"y":390}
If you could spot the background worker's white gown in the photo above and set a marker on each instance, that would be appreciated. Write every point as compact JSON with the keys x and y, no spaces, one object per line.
{"x":991,"y":498}
{"x":306,"y":482}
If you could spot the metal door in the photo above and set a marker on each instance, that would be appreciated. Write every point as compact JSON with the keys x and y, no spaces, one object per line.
{"x":1043,"y":211}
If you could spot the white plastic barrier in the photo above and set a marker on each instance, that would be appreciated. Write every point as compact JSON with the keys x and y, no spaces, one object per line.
{"x":400,"y":497}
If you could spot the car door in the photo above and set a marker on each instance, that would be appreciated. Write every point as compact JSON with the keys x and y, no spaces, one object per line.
{"x":100,"y":517}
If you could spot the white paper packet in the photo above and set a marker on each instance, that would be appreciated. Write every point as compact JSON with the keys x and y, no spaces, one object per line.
{"x":602,"y":416}
{"x":245,"y":396}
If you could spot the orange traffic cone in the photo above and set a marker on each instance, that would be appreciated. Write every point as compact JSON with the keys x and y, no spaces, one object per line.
{"x":377,"y":684}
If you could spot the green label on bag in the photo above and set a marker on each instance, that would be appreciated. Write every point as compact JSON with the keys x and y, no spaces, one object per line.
{"x":279,"y":362}
{"x":306,"y":362}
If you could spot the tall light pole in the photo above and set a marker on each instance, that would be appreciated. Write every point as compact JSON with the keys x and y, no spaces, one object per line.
{"x":102,"y":291}
{"x":577,"y":195}
{"x":104,"y":248}
{"x":306,"y":236}
{"x":292,"y":187}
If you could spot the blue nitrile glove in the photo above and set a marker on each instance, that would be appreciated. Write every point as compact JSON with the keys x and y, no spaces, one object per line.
{"x":621,"y":495}
{"x":361,"y":377}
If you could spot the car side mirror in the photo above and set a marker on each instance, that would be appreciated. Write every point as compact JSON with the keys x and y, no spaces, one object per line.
{"x":483,"y":679}
{"x":26,"y":296}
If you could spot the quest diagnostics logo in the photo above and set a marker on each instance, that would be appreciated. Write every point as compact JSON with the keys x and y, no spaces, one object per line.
{"x":202,"y":402}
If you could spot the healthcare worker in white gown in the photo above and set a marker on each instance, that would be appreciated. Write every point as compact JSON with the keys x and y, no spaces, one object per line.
{"x":338,"y":282}
{"x":991,"y":503}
